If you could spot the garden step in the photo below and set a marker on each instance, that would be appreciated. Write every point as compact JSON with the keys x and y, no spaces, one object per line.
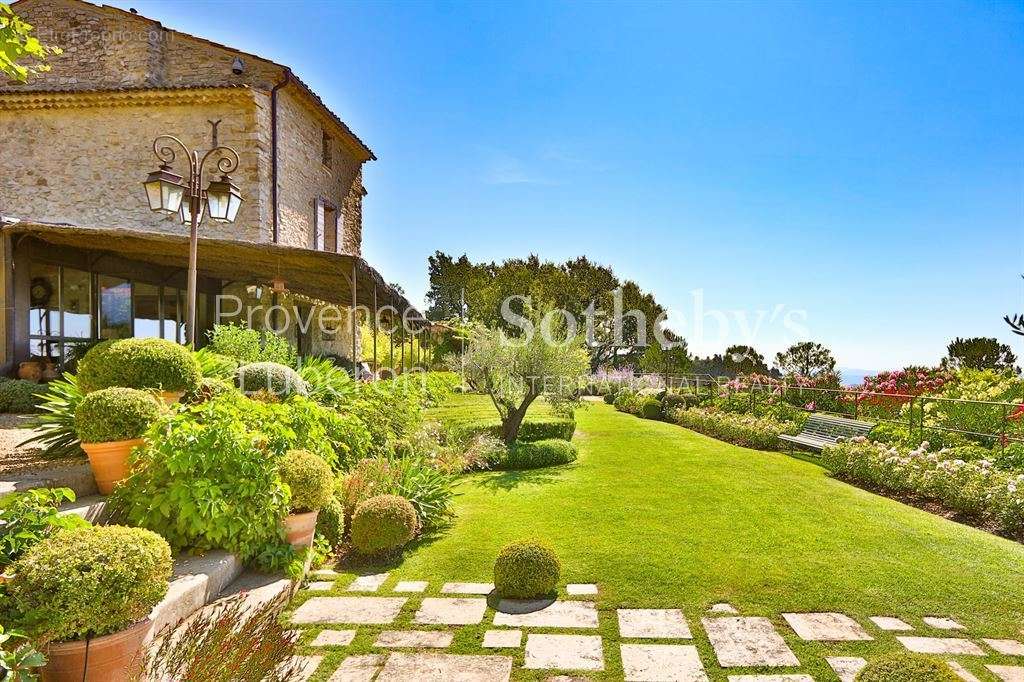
{"x":197,"y":580}
{"x":90,"y":508}
{"x":78,"y":477}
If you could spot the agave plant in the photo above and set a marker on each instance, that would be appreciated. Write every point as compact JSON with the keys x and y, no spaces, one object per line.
{"x":55,"y":425}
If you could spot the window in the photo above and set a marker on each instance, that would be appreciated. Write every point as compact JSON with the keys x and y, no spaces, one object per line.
{"x":60,"y":309}
{"x":325,"y":227}
{"x":326,"y":148}
{"x":115,"y":307}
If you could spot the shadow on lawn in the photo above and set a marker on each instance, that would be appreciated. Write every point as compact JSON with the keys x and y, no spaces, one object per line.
{"x":510,"y":480}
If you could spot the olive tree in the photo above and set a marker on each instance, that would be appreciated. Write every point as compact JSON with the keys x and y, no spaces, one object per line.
{"x":516,"y":370}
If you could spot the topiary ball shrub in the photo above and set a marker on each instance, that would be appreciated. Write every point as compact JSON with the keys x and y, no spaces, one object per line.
{"x":906,"y":668}
{"x":650,"y":408}
{"x":383,"y":524}
{"x":113,"y":414}
{"x":527,"y":569}
{"x":309,"y":478}
{"x":157,"y":364}
{"x":20,"y":396}
{"x":539,"y":453}
{"x":609,"y":398}
{"x":330,"y":522}
{"x":280,"y":381}
{"x":90,"y":582}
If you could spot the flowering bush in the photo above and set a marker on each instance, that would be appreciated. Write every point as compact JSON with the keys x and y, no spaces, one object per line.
{"x":889,"y":389}
{"x":761,"y":433}
{"x":987,"y":386}
{"x":974,"y":488}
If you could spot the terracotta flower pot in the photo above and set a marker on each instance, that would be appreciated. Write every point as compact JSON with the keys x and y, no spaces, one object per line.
{"x":170,"y":397}
{"x":298,"y":529}
{"x":113,"y":658}
{"x":30,"y":370}
{"x":109,"y":461}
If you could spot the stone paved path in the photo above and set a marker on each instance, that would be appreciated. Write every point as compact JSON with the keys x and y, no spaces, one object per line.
{"x":518,"y":631}
{"x":743,"y":642}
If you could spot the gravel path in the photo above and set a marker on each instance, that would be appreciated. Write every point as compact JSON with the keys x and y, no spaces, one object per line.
{"x":13,"y":430}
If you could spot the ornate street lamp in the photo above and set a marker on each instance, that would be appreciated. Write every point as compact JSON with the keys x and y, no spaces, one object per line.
{"x":168,"y":193}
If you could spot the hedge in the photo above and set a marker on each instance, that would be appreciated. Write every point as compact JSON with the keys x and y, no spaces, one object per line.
{"x":532,"y":429}
{"x":761,"y":433}
{"x":536,"y":454}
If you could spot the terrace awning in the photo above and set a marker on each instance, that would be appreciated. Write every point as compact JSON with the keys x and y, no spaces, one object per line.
{"x":321,"y":275}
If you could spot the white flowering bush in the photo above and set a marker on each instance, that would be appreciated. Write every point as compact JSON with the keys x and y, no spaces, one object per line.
{"x":975,"y":488}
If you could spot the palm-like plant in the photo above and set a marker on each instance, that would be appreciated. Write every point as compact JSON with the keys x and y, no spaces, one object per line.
{"x":55,"y":426}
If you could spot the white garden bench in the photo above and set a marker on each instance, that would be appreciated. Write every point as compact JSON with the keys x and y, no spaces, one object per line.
{"x":821,"y":430}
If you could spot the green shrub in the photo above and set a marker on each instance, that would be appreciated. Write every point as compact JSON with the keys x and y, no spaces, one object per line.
{"x":20,"y":396}
{"x":250,"y":345}
{"x":112,"y":414}
{"x":650,"y":408}
{"x":1010,"y":458}
{"x":29,"y":517}
{"x":90,"y":582}
{"x":328,"y":383}
{"x":761,"y":433}
{"x":391,"y":410}
{"x":214,"y":365}
{"x":309,"y":478}
{"x":209,"y":388}
{"x":906,"y":668}
{"x":431,"y":492}
{"x":527,"y":569}
{"x":271,"y":377}
{"x":609,"y":398}
{"x":540,"y":453}
{"x":330,"y":522}
{"x":383,"y":524}
{"x":532,"y":429}
{"x":139,"y":363}
{"x":55,"y":427}
{"x":208,"y":477}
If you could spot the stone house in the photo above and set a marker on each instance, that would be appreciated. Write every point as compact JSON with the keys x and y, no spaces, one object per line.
{"x":85,"y":258}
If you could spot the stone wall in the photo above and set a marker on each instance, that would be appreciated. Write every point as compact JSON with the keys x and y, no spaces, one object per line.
{"x":304,"y":179}
{"x":84,"y":165}
{"x":91,"y":176}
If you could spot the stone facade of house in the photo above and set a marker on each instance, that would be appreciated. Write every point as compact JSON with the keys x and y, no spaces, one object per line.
{"x":77,"y":141}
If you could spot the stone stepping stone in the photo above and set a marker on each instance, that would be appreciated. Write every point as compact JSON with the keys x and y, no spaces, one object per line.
{"x":368,"y":583}
{"x":564,"y":652}
{"x":354,"y":610}
{"x":451,"y":611}
{"x":411,"y":586}
{"x":746,"y":642}
{"x":334,"y":638}
{"x":432,"y":667}
{"x":358,"y":668}
{"x":826,"y":627}
{"x":1007,"y":673}
{"x":558,"y":614}
{"x":770,"y":678}
{"x":503,"y":639}
{"x":722,"y":607}
{"x":846,"y":667}
{"x":414,"y":639}
{"x":306,"y":668}
{"x":467,"y":588}
{"x":942,"y":623}
{"x":962,"y":672}
{"x":581,"y":589}
{"x":1010,"y":647}
{"x":891,"y":624}
{"x":941,"y":645}
{"x":662,"y":663}
{"x":320,"y":586}
{"x":653,"y":624}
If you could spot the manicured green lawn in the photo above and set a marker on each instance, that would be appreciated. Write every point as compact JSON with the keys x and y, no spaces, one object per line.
{"x":660,"y":516}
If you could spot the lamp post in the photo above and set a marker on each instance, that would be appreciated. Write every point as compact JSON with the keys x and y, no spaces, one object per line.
{"x":170,"y":193}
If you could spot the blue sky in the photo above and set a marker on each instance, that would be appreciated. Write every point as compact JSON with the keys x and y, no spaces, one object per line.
{"x":862,"y":162}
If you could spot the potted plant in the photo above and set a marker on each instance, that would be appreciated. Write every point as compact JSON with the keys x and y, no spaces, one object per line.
{"x":311,"y":483}
{"x":158,"y":365}
{"x":110,"y":423}
{"x":85,"y":594}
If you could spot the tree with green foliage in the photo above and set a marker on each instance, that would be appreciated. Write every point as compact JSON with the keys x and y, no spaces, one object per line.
{"x":21,"y":53}
{"x":741,"y":360}
{"x":806,"y":359}
{"x":668,"y":360}
{"x":515,"y":371}
{"x":979,"y":352}
{"x":582,"y":288}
